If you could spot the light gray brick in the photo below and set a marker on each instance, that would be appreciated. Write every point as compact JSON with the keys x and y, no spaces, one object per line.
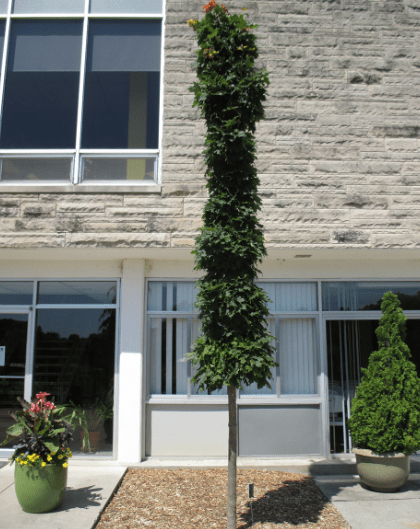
{"x":116,"y":240}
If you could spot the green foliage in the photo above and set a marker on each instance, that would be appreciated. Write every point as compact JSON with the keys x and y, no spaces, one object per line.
{"x":40,"y":434}
{"x":385,"y":414}
{"x":235,"y":345}
{"x":88,"y":419}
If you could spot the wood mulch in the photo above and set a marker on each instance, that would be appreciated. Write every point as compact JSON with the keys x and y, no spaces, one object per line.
{"x":196,"y":499}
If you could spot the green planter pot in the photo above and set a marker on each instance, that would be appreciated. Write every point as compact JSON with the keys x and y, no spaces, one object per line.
{"x":382,"y":472}
{"x":40,"y":489}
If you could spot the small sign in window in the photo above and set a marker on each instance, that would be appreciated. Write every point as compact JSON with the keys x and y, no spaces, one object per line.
{"x":2,"y":355}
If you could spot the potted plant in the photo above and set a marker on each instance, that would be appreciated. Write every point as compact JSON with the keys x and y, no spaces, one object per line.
{"x":40,"y":455}
{"x":89,"y":419}
{"x":385,"y":413}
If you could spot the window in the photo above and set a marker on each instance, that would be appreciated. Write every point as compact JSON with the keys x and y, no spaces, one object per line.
{"x":59,"y":337}
{"x":367,"y":295}
{"x":173,"y":325}
{"x":81,"y":91}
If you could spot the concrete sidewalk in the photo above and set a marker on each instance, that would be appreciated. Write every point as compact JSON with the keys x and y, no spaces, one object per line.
{"x":89,"y":488}
{"x":365,"y":509}
{"x":91,"y":484}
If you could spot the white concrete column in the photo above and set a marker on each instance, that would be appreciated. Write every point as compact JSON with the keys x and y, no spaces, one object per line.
{"x":131,"y":361}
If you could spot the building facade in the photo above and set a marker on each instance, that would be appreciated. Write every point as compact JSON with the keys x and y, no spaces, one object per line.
{"x":101,"y":197}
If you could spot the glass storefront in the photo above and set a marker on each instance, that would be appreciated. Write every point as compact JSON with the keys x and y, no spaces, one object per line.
{"x":61,"y":342}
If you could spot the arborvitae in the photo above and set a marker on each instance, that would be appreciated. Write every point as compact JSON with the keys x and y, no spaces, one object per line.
{"x":235,"y":344}
{"x":385,"y":414}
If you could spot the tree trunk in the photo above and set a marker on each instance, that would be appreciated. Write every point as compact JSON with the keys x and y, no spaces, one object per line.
{"x":231,"y":497}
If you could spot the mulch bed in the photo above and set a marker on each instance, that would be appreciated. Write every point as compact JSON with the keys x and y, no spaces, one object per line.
{"x":196,"y":499}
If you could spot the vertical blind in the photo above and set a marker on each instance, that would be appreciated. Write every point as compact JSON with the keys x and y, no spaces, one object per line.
{"x":171,"y":337}
{"x":291,"y":297}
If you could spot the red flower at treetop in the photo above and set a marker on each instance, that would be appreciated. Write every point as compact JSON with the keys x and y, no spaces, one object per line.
{"x":210,"y":6}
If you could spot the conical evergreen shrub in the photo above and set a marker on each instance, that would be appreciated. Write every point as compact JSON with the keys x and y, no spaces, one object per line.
{"x":385,"y":413}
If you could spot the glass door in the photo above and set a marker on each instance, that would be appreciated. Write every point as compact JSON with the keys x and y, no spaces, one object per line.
{"x":349,"y":344}
{"x":15,"y":377}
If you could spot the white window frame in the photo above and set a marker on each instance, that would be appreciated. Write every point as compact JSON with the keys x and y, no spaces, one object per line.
{"x":276,"y":398}
{"x":77,"y":154}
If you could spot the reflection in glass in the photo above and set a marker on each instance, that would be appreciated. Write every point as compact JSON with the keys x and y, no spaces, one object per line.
{"x":13,"y":336}
{"x":367,"y":295}
{"x":35,"y":169}
{"x":145,"y":7}
{"x":74,"y":360}
{"x":42,"y":82}
{"x":16,"y":292}
{"x":121,"y":101}
{"x":74,"y":292}
{"x":2,"y":26}
{"x":10,"y":389}
{"x":130,"y":169}
{"x":48,"y":6}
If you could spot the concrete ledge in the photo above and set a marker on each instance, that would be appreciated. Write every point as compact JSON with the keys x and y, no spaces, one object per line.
{"x":80,"y":188}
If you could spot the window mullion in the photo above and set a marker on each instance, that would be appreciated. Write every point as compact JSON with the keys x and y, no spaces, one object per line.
{"x":76,"y":169}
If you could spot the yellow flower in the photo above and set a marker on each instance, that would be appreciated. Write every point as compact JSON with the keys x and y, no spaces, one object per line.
{"x":244,"y":8}
{"x":43,"y":464}
{"x":60,"y":456}
{"x":21,"y":462}
{"x":49,"y":458}
{"x":25,"y":462}
{"x":65,"y":465}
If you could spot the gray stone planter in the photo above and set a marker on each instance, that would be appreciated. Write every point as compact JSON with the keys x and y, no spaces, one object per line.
{"x":382,"y":472}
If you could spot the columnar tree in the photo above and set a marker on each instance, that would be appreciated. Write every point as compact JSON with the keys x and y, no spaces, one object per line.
{"x":234,"y":347}
{"x":385,"y":414}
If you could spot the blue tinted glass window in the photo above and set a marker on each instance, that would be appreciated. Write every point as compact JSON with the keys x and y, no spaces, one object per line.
{"x":126,"y":6}
{"x":80,"y":292}
{"x":121,"y":101}
{"x":48,"y":6}
{"x":42,"y":83}
{"x":367,"y":295}
{"x":2,"y":23}
{"x":16,"y":293}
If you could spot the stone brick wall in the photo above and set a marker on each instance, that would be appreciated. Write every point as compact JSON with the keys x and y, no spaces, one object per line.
{"x":338,"y":153}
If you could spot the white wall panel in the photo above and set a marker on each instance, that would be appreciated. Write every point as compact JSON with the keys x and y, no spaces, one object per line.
{"x":187,"y":431}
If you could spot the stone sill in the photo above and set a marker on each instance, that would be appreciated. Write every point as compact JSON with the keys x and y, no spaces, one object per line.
{"x":92,"y":189}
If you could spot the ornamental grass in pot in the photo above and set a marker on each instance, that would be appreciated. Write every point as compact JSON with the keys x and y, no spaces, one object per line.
{"x":385,"y":413}
{"x":40,"y":455}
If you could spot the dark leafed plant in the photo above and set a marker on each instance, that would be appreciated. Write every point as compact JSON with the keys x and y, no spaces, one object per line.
{"x":234,"y":347}
{"x":41,"y":436}
{"x":385,"y":414}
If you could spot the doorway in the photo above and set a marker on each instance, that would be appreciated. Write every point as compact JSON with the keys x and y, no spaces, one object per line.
{"x":15,"y":365}
{"x":349,"y":345}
